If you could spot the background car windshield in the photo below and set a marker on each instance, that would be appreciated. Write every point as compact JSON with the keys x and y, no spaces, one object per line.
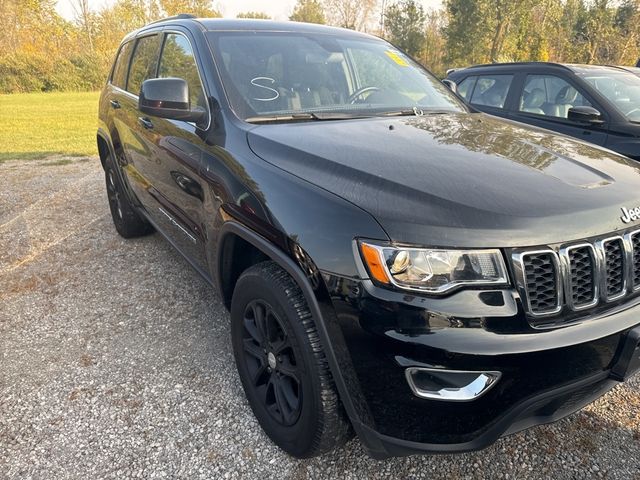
{"x":621,"y":88}
{"x":284,"y":73}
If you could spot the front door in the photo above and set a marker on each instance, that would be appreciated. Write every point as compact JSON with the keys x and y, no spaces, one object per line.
{"x":173,"y":169}
{"x":545,"y":101}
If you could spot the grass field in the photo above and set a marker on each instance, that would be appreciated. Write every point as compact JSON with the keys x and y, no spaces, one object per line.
{"x":37,"y":125}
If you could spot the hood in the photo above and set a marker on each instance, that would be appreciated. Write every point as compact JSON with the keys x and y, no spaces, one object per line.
{"x":465,"y":180}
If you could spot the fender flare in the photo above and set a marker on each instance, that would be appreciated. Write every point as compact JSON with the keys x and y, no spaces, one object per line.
{"x":103,"y":135}
{"x":127,"y":188}
{"x":364,"y":432}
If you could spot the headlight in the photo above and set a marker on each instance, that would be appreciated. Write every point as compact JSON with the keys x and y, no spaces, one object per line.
{"x":433,"y":270}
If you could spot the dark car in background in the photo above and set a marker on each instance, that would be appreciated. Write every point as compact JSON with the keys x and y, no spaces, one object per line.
{"x":597,"y":104}
{"x":394,"y":263}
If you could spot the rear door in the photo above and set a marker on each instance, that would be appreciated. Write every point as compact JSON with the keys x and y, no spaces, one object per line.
{"x":544,"y":100}
{"x":138,"y":147}
{"x":111,"y":103}
{"x":488,"y":92}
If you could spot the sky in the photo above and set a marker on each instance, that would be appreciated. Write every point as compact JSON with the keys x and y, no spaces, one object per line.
{"x":277,"y":9}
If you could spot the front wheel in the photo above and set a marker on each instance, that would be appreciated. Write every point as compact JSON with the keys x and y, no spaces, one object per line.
{"x":282,"y":365}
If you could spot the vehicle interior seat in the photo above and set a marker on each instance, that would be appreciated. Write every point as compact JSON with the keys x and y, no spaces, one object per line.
{"x":259,"y":84}
{"x":308,"y":87}
{"x":533,"y":101}
{"x":565,"y":100}
{"x":495,"y":96}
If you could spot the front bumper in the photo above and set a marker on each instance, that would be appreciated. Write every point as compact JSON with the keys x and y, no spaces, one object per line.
{"x":546,"y":373}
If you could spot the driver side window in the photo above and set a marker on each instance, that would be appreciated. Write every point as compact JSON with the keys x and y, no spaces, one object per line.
{"x":550,"y":96}
{"x":178,"y":61}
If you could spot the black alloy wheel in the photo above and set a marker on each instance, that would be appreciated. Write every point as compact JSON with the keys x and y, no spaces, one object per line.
{"x":271,"y":362}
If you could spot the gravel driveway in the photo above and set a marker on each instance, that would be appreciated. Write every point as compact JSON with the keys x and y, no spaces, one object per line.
{"x":115,"y":362}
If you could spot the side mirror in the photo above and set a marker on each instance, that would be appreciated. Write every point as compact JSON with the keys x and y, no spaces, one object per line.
{"x":585,"y":115}
{"x":168,"y":98}
{"x":451,"y":85}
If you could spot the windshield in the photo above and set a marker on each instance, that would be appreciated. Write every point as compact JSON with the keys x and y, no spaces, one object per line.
{"x":276,"y":74}
{"x":621,"y":88}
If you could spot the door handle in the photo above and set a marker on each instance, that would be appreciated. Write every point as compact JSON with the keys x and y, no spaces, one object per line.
{"x":145,"y":122}
{"x":115,"y":104}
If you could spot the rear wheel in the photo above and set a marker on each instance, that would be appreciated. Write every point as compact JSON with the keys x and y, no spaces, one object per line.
{"x":128,"y":222}
{"x":282,"y":365}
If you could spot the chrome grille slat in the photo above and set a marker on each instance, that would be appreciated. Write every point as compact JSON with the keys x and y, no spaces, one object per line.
{"x":542,"y":281}
{"x":581,"y":277}
{"x":635,"y":260}
{"x":614,"y":268}
{"x":578,"y":276}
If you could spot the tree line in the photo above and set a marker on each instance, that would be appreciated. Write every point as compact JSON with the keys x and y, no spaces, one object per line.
{"x":41,"y":51}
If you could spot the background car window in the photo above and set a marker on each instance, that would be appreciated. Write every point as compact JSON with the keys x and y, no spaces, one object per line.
{"x":144,"y":62}
{"x":621,"y":88}
{"x":466,"y":87}
{"x":550,"y":95}
{"x":178,"y":61}
{"x":119,"y":77}
{"x":491,"y":90}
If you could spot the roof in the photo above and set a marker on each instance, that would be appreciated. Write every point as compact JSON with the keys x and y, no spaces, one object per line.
{"x":574,"y":67}
{"x":254,"y":25}
{"x":250,"y":24}
{"x":634,"y":70}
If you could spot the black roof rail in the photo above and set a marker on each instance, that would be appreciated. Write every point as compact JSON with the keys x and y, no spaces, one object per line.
{"x":181,"y":16}
{"x":515,"y":64}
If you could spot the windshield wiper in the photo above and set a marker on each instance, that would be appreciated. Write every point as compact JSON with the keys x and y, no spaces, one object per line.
{"x":413,"y":112}
{"x":305,"y":116}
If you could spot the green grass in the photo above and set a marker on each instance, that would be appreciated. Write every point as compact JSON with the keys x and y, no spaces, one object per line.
{"x":38,"y":125}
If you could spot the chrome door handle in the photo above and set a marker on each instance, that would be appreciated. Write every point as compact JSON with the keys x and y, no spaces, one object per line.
{"x":145,"y":122}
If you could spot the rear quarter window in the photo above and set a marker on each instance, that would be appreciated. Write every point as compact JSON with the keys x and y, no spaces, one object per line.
{"x":119,"y":76}
{"x":466,"y":87}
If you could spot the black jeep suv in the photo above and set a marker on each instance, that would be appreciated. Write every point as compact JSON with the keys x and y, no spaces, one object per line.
{"x":394,"y":264}
{"x":594,"y":103}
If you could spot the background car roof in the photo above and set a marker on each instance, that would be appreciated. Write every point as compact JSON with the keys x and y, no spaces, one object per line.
{"x":574,"y":67}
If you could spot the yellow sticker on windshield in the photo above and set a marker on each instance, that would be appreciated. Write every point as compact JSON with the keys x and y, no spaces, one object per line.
{"x":395,"y":56}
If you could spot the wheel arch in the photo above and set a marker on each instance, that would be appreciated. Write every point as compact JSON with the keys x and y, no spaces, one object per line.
{"x":232,"y":230}
{"x":104,"y":146}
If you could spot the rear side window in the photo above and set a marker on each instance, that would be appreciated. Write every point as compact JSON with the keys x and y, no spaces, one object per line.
{"x":491,"y":90}
{"x":143,"y":63}
{"x":178,"y":61}
{"x":119,"y":77}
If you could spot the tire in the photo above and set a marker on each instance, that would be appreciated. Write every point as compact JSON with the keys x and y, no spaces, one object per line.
{"x":128,"y":222}
{"x":282,"y":365}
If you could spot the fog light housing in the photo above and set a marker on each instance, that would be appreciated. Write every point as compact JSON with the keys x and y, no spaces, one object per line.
{"x":450,"y":385}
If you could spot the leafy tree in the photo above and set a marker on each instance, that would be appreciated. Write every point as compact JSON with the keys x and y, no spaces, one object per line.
{"x":626,"y":23}
{"x":404,"y":23}
{"x":353,"y":14}
{"x":309,"y":11}
{"x":258,"y":15}
{"x":434,"y":43}
{"x":466,"y":37}
{"x":199,"y":8}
